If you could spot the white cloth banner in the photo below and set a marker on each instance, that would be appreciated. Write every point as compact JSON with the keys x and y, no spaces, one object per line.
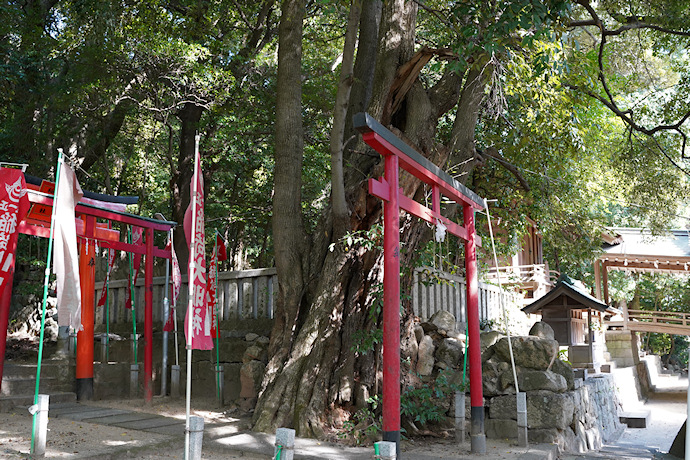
{"x":66,"y":257}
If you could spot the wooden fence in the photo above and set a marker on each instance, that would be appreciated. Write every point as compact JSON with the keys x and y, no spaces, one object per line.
{"x":433,"y":291}
{"x":242,"y":294}
{"x":249,"y":294}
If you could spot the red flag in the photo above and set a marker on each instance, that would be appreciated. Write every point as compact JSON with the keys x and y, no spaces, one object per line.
{"x":220,"y":248}
{"x":104,"y":291}
{"x":14,"y":205}
{"x":137,"y":232}
{"x":66,"y":261}
{"x":194,"y":217}
{"x":175,"y":288}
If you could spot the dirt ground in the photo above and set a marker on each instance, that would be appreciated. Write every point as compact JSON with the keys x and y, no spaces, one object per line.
{"x":76,"y":440}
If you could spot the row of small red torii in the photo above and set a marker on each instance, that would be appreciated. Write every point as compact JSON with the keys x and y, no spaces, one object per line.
{"x":397,"y":154}
{"x":91,"y":231}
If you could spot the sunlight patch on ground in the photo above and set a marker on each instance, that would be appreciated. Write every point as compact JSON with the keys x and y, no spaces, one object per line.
{"x":112,"y":442}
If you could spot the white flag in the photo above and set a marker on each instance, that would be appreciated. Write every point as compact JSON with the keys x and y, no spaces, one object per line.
{"x":66,"y":257}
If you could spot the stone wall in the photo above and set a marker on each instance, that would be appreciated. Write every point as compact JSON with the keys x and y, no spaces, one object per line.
{"x":622,"y":348}
{"x":575,"y":414}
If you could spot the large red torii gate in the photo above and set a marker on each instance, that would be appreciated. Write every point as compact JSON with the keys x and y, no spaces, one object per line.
{"x":397,"y":154}
{"x":87,"y":212}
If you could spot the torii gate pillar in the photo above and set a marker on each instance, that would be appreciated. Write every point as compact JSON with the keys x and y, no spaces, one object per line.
{"x":87,"y":277}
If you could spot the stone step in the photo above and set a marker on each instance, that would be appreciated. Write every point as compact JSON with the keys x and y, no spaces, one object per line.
{"x":12,"y":403}
{"x":635,"y":419}
{"x":29,"y":370}
{"x":23,"y":385}
{"x":608,"y":367}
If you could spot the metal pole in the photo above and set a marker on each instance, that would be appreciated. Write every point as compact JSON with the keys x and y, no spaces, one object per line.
{"x":45,"y":295}
{"x":166,"y":312}
{"x":477,"y":436}
{"x":391,"y":307}
{"x":148,"y":318}
{"x":190,"y":299}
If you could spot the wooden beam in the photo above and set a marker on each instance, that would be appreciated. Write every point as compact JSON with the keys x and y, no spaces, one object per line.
{"x":597,"y":278}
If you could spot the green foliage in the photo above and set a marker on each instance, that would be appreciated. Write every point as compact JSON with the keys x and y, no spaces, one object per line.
{"x":369,"y":239}
{"x":365,"y":423}
{"x":424,"y":404}
{"x":364,"y":341}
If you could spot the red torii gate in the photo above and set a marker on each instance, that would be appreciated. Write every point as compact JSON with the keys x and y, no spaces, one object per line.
{"x":397,"y":154}
{"x":88,"y":229}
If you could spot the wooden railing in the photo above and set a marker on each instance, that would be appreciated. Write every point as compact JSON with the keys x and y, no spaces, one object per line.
{"x":242,"y":294}
{"x":654,"y":321}
{"x":433,"y":291}
{"x":517,"y":274}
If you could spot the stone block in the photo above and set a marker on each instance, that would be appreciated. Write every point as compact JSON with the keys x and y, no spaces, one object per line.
{"x":255,"y":353}
{"x":544,"y":435}
{"x":425,"y":356}
{"x":501,"y":428}
{"x":546,"y":409}
{"x":444,"y":320}
{"x":531,"y":380}
{"x":503,"y":407}
{"x":564,"y":369}
{"x":543,"y":330}
{"x":529,"y":352}
{"x":580,"y":374}
{"x":251,"y":375}
{"x":449,"y":352}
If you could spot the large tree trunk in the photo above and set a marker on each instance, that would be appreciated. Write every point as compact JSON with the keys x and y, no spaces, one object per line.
{"x":180,"y":179}
{"x":328,"y":300}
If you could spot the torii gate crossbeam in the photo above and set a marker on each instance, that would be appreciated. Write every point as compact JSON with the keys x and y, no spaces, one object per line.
{"x":397,"y":154}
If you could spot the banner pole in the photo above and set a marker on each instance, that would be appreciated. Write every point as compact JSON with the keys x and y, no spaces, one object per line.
{"x":132,"y":296}
{"x":174,"y":307}
{"x":190,"y":297}
{"x":45,"y":295}
{"x":107,"y":313}
{"x":215,"y":307}
{"x":166,"y":314}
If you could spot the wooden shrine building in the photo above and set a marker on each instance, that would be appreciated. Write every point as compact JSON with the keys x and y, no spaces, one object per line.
{"x":571,"y":311}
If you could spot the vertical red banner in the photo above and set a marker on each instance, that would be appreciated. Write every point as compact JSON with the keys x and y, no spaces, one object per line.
{"x":194,"y":217}
{"x":14,"y":205}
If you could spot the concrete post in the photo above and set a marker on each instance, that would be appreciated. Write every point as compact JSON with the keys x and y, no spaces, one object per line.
{"x":72,"y":344}
{"x":39,"y":444}
{"x":104,"y":348}
{"x":175,"y":381}
{"x":135,"y":348}
{"x":460,"y":416}
{"x":63,"y":343}
{"x":133,"y":380}
{"x":522,"y":419}
{"x":219,"y":385}
{"x":285,"y":444}
{"x":385,"y":449}
{"x":196,"y":437}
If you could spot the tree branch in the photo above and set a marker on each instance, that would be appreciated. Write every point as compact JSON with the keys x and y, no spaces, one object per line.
{"x":491,"y":152}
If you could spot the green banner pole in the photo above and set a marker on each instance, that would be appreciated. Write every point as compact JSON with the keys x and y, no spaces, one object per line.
{"x":45,"y":296}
